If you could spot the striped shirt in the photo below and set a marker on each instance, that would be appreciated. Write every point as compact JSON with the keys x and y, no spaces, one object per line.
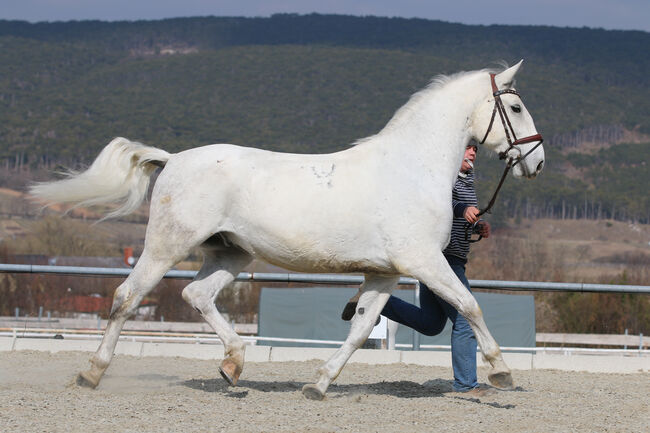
{"x":463,"y":195}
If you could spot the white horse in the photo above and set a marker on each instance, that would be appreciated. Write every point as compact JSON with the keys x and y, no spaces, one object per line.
{"x":381,"y":208}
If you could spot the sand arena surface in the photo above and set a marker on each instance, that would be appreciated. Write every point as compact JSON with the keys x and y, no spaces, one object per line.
{"x":37,"y":393}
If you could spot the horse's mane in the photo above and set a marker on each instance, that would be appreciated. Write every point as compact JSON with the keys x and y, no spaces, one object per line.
{"x":436,"y":83}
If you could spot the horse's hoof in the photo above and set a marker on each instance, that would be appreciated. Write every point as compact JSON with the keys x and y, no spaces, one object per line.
{"x":86,"y":380}
{"x":312,"y":392}
{"x":502,"y":380}
{"x":230,"y":371}
{"x":226,"y":377}
{"x":348,"y":311}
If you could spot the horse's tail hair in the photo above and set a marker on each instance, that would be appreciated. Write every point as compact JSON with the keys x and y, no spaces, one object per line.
{"x":120,"y":174}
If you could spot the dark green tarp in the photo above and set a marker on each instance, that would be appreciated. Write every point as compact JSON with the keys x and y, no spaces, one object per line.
{"x":315,"y":313}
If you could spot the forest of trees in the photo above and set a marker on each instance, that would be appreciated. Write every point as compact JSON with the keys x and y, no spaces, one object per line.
{"x":315,"y":84}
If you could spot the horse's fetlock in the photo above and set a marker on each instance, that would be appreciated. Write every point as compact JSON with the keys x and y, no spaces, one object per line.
{"x":99,"y":363}
{"x":236,"y":350}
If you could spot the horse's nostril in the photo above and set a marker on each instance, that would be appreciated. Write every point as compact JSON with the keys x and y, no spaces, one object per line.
{"x":540,"y":166}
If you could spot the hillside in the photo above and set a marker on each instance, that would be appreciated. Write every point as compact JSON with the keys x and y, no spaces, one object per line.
{"x":317,"y":83}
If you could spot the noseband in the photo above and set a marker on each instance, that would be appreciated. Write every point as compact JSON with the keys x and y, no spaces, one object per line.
{"x":512,"y":141}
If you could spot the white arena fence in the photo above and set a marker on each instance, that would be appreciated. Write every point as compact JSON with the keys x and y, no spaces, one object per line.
{"x":24,"y":332}
{"x":188,"y":338}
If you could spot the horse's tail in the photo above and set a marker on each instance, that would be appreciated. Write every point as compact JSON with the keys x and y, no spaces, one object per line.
{"x":119,"y":174}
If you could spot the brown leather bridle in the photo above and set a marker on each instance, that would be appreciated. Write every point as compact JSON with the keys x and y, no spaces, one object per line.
{"x":512,"y":141}
{"x":507,"y":126}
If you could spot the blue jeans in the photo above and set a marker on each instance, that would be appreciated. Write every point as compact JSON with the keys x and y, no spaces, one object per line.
{"x":430,"y":319}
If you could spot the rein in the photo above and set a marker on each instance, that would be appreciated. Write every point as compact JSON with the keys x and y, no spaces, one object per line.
{"x":512,"y":142}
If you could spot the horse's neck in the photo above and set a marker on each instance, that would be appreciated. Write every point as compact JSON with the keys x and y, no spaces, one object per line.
{"x":432,"y":133}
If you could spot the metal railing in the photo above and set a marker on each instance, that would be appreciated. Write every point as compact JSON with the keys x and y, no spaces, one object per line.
{"x":329,"y":279}
{"x":337,"y":279}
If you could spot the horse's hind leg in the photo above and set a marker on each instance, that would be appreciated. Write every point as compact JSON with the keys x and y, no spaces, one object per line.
{"x":146,"y":274}
{"x":375,"y":293}
{"x":220,"y":268}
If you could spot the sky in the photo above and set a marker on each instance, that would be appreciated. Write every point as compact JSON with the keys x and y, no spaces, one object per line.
{"x":607,"y":14}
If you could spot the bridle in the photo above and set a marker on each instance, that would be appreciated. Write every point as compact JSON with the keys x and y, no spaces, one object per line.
{"x":512,"y":142}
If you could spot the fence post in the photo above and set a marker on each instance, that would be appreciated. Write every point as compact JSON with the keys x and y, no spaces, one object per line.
{"x":640,"y":342}
{"x":416,"y":335}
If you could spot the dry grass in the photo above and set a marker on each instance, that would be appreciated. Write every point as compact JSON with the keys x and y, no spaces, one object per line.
{"x":606,"y":252}
{"x":571,"y":251}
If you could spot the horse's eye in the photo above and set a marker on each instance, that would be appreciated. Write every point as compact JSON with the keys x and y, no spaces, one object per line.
{"x":516,"y":108}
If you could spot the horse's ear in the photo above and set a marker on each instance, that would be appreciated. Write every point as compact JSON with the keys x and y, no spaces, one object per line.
{"x":506,"y":78}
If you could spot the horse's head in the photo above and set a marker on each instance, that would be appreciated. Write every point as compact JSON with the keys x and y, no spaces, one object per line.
{"x":502,"y":123}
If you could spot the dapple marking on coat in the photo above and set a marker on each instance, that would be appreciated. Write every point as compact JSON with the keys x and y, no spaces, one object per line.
{"x":381,"y":208}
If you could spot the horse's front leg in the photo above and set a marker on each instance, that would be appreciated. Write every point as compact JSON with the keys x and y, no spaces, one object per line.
{"x":436,"y":273}
{"x":375,"y":293}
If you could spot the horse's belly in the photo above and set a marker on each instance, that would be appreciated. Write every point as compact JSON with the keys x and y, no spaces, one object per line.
{"x":325,"y":264}
{"x":311,"y":255}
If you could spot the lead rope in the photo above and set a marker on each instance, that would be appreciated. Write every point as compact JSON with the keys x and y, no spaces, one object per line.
{"x":509,"y":165}
{"x":469,"y":228}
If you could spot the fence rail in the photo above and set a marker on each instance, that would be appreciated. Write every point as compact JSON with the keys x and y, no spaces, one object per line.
{"x":639,"y":341}
{"x":329,"y":279}
{"x":358,"y":279}
{"x":202,"y":338}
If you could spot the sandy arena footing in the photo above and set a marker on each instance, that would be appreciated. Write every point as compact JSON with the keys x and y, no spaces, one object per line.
{"x":168,"y":394}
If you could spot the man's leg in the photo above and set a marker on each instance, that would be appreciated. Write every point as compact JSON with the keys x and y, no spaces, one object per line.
{"x":428,"y":319}
{"x":463,"y":341}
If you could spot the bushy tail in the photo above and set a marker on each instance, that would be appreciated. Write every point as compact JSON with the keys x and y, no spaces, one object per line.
{"x":120,"y":174}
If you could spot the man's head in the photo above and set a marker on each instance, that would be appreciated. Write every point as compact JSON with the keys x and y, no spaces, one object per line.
{"x":468,"y":159}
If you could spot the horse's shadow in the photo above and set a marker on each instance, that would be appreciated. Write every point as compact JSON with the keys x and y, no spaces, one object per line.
{"x":398,"y":389}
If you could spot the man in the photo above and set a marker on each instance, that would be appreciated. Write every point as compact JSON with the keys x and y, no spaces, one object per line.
{"x":430,"y":318}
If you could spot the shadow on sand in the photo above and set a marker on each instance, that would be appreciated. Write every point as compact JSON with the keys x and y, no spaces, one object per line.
{"x":398,"y":389}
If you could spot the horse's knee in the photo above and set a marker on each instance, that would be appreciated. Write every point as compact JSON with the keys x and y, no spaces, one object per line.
{"x":470,"y":309}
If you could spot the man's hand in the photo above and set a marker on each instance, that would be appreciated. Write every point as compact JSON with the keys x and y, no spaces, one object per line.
{"x":471,"y":214}
{"x":483,"y":229}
